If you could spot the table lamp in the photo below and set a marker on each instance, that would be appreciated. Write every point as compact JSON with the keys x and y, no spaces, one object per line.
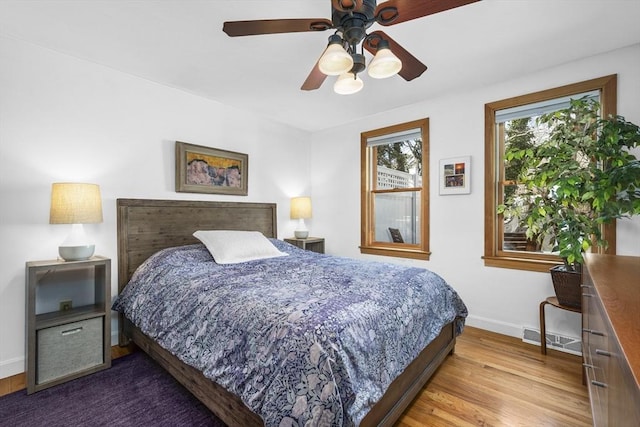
{"x":301,"y":209}
{"x":76,"y":204}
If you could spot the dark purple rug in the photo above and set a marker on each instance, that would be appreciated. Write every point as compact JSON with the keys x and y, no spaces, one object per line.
{"x":135,"y":391}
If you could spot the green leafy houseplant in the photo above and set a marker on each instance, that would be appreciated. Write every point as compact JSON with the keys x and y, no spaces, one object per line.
{"x":576,"y":178}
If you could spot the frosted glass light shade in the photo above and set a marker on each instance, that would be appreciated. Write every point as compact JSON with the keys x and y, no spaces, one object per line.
{"x":347,"y":84}
{"x":384,"y":64}
{"x":335,"y":60}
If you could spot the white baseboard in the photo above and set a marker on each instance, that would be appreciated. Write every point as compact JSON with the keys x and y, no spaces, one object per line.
{"x":493,"y":325}
{"x":11,"y":367}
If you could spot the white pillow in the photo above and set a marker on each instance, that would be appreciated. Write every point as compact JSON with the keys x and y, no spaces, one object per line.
{"x":232,"y":247}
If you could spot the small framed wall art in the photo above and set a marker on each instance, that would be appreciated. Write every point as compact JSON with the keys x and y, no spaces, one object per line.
{"x":455,"y":175}
{"x":201,"y":169}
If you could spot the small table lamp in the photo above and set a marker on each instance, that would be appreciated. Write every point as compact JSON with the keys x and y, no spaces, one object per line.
{"x":301,"y":209}
{"x":77,"y":204}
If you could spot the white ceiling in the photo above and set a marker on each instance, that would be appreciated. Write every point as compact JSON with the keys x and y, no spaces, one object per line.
{"x":180,"y":43}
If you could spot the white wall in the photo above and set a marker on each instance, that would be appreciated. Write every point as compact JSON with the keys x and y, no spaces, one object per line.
{"x":67,"y":119}
{"x":501,"y":300}
{"x":63,"y":119}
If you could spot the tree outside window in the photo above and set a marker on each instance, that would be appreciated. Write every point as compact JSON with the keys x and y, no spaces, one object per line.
{"x":512,"y":125}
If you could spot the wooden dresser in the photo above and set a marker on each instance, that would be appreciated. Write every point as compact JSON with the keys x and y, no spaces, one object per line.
{"x":611,"y":338}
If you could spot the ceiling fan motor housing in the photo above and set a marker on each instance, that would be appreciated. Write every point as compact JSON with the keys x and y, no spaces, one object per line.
{"x":353,"y":24}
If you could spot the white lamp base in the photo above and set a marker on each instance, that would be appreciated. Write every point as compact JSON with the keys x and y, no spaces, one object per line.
{"x":301,"y":234}
{"x":301,"y":231}
{"x":76,"y":253}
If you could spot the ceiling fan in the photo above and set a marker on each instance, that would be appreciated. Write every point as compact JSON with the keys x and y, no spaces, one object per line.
{"x":351,"y":19}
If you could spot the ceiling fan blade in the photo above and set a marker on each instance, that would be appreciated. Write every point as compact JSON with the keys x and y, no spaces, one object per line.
{"x":394,"y":12}
{"x":274,"y":26}
{"x":411,"y":66}
{"x":314,"y":79}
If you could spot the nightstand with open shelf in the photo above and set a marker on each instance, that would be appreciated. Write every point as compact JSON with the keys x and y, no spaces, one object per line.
{"x":66,"y":342}
{"x":313,"y":244}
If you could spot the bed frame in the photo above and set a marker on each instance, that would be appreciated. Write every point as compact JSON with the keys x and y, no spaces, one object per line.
{"x":146,"y":226}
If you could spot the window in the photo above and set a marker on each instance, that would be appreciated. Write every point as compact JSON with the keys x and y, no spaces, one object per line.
{"x":395,"y":190}
{"x":511,"y":122}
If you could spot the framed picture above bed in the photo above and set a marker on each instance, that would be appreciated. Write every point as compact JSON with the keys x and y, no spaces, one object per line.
{"x":201,"y":169}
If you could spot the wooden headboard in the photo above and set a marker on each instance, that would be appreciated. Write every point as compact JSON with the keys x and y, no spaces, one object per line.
{"x":147,"y":226}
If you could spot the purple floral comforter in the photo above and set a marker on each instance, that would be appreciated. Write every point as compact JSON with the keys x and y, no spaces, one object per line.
{"x":306,"y":339}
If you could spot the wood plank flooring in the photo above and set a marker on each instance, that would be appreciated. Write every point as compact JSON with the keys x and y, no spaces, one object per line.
{"x":495,"y":380}
{"x":490,"y":380}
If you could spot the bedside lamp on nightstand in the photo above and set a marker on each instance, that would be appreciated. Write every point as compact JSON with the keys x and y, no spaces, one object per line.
{"x":76,"y":204}
{"x":301,"y":209}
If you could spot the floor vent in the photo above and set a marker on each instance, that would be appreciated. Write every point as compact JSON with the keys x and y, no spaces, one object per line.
{"x":554,"y":341}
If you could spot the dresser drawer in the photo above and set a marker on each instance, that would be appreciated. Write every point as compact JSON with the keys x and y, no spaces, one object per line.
{"x":595,"y":339}
{"x":595,"y":336}
{"x":596,"y":333}
{"x":598,"y":396}
{"x":610,"y":315}
{"x":69,"y":348}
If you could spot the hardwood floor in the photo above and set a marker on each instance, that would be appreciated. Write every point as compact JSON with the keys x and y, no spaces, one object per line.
{"x":491,"y":380}
{"x":495,"y":380}
{"x":12,"y":383}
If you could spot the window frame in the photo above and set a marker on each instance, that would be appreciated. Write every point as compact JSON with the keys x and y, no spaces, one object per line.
{"x":368,"y":245}
{"x":494,"y":255}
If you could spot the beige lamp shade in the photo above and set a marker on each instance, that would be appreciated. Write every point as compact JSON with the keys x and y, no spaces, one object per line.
{"x":300,"y":207}
{"x":75,"y":203}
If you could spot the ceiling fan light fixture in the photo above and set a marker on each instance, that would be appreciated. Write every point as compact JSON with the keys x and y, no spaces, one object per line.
{"x":335,"y":60}
{"x":350,"y":19}
{"x":348,"y":84}
{"x":384,"y":64}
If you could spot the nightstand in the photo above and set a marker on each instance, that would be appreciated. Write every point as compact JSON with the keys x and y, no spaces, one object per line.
{"x":313,"y":244}
{"x":68,"y":308}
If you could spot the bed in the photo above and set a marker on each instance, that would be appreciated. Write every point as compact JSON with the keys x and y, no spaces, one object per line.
{"x":146,"y":227}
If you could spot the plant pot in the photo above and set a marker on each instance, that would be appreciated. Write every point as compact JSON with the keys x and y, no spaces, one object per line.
{"x":567,"y":286}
